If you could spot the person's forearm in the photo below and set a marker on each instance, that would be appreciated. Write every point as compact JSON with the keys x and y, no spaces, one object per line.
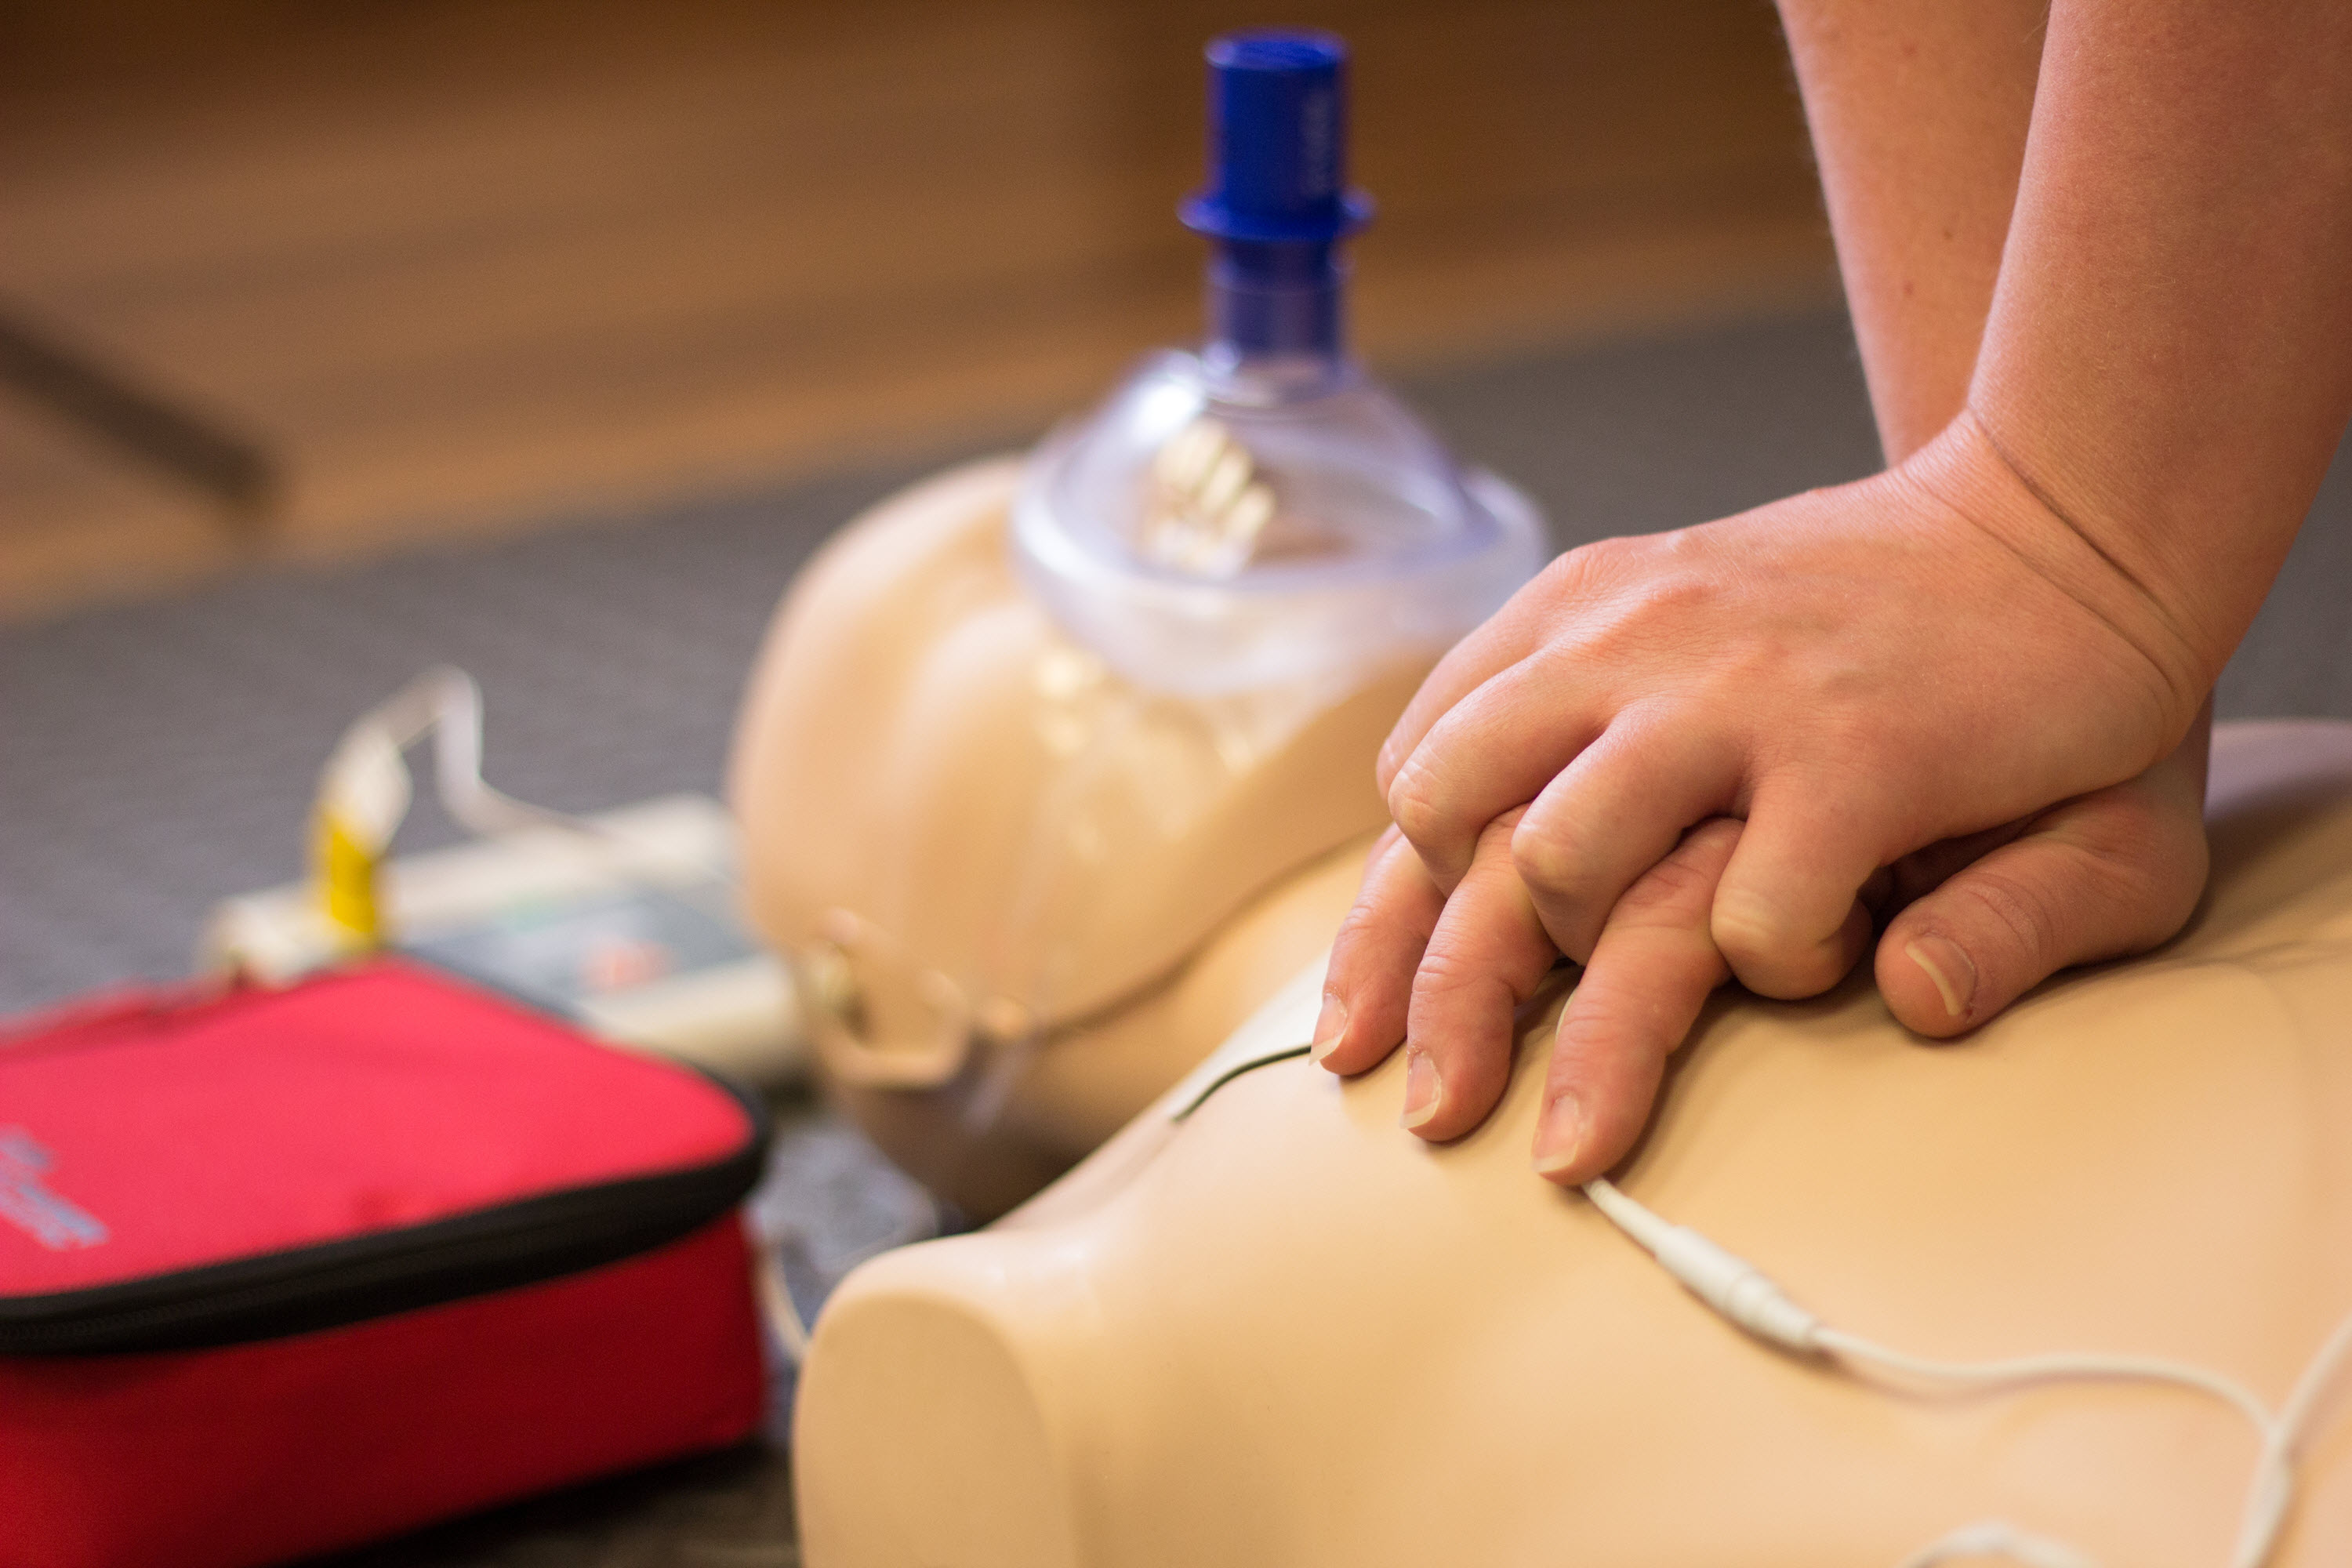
{"x":1918,"y":111}
{"x":2168,"y":365}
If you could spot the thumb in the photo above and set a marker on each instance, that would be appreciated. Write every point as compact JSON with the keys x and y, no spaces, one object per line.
{"x":2107,"y":875}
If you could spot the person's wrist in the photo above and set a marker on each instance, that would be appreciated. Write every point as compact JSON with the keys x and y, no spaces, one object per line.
{"x":1966,"y":470}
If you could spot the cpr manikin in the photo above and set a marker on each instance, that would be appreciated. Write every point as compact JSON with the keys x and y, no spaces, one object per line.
{"x":1264,"y":1326}
{"x":1053,"y":771}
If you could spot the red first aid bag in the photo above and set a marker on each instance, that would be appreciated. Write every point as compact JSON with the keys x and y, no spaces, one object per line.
{"x":284,"y":1271}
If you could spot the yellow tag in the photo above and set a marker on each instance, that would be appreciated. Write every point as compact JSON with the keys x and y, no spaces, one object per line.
{"x":343,"y":870}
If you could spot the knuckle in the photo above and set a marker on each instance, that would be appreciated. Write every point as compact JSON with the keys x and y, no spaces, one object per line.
{"x":1790,"y":976}
{"x":1770,"y":956}
{"x":1711,"y":842}
{"x":2121,"y":823}
{"x":1377,"y":931}
{"x":1495,"y":838}
{"x":2139,"y":841}
{"x":1675,"y":889}
{"x":1451,"y":966}
{"x":1614,"y":1026}
{"x":1360,"y":928}
{"x":1749,"y":931}
{"x":2135,"y":890}
{"x":1561,"y":884}
{"x":1582,"y":568}
{"x":2128,"y":878}
{"x":1415,"y":805}
{"x":1581,"y":580}
{"x":1380,"y":921}
{"x":2014,"y":909}
{"x":1548,"y":857}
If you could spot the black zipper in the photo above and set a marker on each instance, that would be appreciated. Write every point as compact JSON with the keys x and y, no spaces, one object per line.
{"x":307,"y":1289}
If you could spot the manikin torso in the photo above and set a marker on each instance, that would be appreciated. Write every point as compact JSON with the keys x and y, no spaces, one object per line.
{"x":1281,"y":1331}
{"x":1019,"y":895}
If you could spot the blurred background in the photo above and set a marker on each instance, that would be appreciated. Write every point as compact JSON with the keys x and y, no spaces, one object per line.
{"x":548,"y":339}
{"x":338,"y":339}
{"x":357,"y":275}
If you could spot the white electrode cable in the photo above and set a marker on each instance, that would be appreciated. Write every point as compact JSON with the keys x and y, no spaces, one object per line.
{"x":2266,"y":1516}
{"x":446,"y":703}
{"x":365,"y":791}
{"x":1998,"y":1538}
{"x":454,"y":717}
{"x":1738,"y":1291}
{"x":776,"y":1303}
{"x":1743,"y":1294}
{"x":2021,"y":1370}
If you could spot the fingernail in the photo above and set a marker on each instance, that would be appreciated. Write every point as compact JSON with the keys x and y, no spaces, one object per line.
{"x":1329,"y":1025}
{"x":1559,"y":1136}
{"x":1949,"y":967}
{"x":1423,"y":1092}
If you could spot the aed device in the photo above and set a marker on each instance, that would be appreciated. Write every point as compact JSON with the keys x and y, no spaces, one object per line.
{"x":625,"y":921}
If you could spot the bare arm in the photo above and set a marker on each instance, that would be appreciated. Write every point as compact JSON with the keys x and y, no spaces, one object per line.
{"x":1918,"y":111}
{"x":2169,"y":360}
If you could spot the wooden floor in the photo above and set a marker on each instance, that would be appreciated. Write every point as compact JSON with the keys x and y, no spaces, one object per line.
{"x":460,"y":266}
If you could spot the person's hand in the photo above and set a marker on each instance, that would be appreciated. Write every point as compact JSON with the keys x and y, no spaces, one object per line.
{"x":2112,"y":873}
{"x":1978,"y":922}
{"x":1861,"y":672}
{"x":1447,"y":975}
{"x":1857,"y":673}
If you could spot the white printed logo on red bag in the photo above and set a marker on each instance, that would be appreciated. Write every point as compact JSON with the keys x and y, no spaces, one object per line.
{"x":26,"y":1202}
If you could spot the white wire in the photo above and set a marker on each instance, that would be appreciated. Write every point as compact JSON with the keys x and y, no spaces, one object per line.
{"x":2266,"y":1510}
{"x":2269,"y":1491}
{"x":446,"y":703}
{"x":1998,"y":1538}
{"x":2303,"y":1400}
{"x":776,"y":1303}
{"x":2055,"y":1366}
{"x":456,"y":724}
{"x":1634,"y":1217}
